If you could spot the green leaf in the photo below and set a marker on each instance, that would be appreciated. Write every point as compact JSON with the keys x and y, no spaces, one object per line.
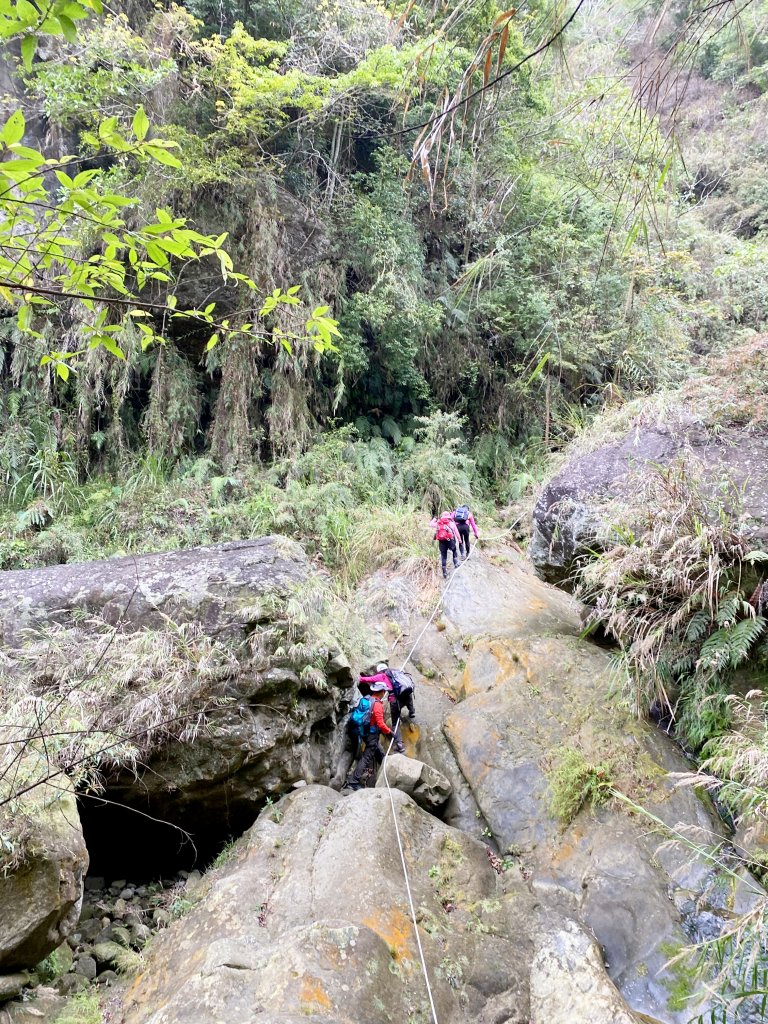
{"x":140,"y":124}
{"x":24,"y":317}
{"x":63,"y":370}
{"x":320,"y":311}
{"x":68,"y":27}
{"x":28,"y":49}
{"x":13,"y":129}
{"x":27,"y":12}
{"x":212,"y":342}
{"x":162,"y":156}
{"x":109,"y":344}
{"x":107,"y":129}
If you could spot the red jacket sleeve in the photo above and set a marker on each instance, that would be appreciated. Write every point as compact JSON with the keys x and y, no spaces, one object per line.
{"x":380,"y":677}
{"x":377,"y":718}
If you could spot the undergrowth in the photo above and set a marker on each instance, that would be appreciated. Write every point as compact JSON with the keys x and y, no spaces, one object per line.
{"x":354,"y":505}
{"x":574,"y":782}
{"x":83,"y":1008}
{"x":675,"y":586}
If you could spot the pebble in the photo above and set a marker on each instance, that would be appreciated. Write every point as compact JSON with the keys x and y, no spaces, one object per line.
{"x":141,"y":935}
{"x":69,"y":984}
{"x":127,"y":893}
{"x":93,"y":883}
{"x":107,"y":978}
{"x":86,"y":967}
{"x":120,"y":934}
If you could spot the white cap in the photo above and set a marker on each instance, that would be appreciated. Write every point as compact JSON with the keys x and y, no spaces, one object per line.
{"x":382,"y":667}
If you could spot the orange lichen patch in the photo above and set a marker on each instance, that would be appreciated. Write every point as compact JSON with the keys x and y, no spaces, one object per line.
{"x":569,"y":847}
{"x":313,"y":994}
{"x":394,"y":928}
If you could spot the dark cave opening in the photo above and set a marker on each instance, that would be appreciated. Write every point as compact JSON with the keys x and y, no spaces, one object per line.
{"x":144,"y":843}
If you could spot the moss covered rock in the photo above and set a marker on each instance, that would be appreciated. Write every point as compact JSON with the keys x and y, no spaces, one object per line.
{"x":41,"y":891}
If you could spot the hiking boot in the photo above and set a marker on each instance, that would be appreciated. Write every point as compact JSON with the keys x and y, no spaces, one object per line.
{"x":445,"y":575}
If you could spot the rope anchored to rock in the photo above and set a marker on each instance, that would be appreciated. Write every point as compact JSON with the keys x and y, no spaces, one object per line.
{"x":392,"y":801}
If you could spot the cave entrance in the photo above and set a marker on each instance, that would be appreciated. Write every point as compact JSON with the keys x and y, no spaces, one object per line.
{"x":144,"y":843}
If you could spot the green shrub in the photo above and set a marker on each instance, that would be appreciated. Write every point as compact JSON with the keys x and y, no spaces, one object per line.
{"x":83,"y":1008}
{"x":574,"y":782}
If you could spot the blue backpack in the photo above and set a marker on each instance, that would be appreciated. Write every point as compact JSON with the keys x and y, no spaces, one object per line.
{"x":461,"y":515}
{"x":360,"y":717}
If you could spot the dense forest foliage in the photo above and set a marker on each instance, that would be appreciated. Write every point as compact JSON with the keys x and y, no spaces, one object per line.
{"x":568,"y":238}
{"x":321,"y":269}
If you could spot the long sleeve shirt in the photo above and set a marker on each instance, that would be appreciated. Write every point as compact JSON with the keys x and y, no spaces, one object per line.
{"x":377,"y":717}
{"x":381,"y":677}
{"x":471,"y":521}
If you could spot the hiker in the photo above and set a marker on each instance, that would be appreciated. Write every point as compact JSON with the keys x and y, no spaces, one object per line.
{"x":354,"y":730}
{"x":464,"y":520}
{"x":448,"y":539}
{"x":373,"y":754}
{"x":402,"y":684}
{"x":400,"y":687}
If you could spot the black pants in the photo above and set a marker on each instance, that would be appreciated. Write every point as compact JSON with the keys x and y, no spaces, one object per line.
{"x":405,"y":700}
{"x":367,"y":766}
{"x":463,"y":529}
{"x":394,"y":714}
{"x":349,"y":754}
{"x":445,"y":547}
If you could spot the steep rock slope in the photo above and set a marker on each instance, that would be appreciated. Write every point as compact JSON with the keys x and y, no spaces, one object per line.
{"x":311,"y":922}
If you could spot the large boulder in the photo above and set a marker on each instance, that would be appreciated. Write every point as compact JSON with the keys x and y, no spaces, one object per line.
{"x":220,"y":587}
{"x":226,"y":667}
{"x":428,"y":787}
{"x":41,"y":891}
{"x":527,"y":700}
{"x":311,"y":921}
{"x":716,"y":423}
{"x":568,"y":981}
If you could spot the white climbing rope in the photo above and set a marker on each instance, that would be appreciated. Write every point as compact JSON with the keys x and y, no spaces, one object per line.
{"x":392,"y":799}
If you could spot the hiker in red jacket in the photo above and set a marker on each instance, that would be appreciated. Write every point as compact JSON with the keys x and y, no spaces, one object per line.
{"x":448,"y":539}
{"x":373,"y":754}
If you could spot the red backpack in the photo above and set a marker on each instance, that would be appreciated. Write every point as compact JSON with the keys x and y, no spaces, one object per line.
{"x":444,"y":531}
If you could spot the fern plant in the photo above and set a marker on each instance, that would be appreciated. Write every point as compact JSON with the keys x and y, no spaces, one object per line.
{"x":671,"y":590}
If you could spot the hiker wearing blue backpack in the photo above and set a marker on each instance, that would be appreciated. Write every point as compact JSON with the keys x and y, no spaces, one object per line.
{"x":354,"y":735}
{"x":373,"y":754}
{"x":464,"y":521}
